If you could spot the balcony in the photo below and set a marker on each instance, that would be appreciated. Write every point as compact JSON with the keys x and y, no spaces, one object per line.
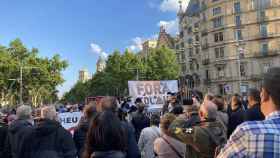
{"x":196,"y":43}
{"x":269,"y":53}
{"x":206,"y":61}
{"x":195,"y":30}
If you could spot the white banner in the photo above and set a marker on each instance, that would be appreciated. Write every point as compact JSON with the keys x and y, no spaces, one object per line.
{"x":69,"y":119}
{"x":153,"y":93}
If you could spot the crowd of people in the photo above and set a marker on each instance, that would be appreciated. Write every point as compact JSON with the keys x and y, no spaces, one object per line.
{"x":207,"y":126}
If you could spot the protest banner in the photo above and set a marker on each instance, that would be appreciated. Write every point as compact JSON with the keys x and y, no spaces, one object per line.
{"x":69,"y":120}
{"x":152,"y":93}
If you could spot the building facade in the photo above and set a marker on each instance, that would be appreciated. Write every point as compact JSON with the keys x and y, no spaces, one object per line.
{"x":226,"y":45}
{"x":101,"y":64}
{"x":148,"y":46}
{"x":84,"y":75}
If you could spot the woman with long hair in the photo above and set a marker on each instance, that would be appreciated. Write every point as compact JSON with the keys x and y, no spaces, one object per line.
{"x":106,"y":137}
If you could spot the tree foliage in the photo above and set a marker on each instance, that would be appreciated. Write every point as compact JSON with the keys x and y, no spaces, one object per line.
{"x":41,"y":76}
{"x":120,"y":68}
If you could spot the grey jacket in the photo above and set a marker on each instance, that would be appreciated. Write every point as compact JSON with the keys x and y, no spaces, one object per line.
{"x":146,"y":141}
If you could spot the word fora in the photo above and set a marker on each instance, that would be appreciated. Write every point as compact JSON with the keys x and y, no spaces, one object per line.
{"x":152,"y":88}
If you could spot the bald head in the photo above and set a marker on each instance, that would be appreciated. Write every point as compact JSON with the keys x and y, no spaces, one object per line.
{"x":208,"y":111}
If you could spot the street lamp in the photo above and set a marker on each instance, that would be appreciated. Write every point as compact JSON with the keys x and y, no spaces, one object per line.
{"x":20,"y":80}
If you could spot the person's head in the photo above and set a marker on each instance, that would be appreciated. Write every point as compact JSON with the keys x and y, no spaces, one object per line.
{"x":89,"y":110}
{"x":107,"y":103}
{"x":173,"y":98}
{"x":105,"y":133}
{"x":165,"y":122}
{"x":253,"y":97}
{"x":208,"y":97}
{"x":49,"y":112}
{"x":270,"y":93}
{"x":155,"y":120}
{"x":141,"y":107}
{"x":178,"y":110}
{"x":24,"y":112}
{"x":235,"y":101}
{"x":219,"y":102}
{"x":208,"y":111}
{"x":190,"y":110}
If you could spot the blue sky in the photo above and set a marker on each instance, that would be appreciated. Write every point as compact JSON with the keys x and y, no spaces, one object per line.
{"x":81,"y":30}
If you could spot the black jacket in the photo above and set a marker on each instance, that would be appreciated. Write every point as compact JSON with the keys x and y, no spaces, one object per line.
{"x":49,"y":135}
{"x":254,"y":113}
{"x":17,"y":132}
{"x":80,"y":135}
{"x":236,"y":117}
{"x":132,"y":150}
{"x":3,"y":136}
{"x":139,"y":122}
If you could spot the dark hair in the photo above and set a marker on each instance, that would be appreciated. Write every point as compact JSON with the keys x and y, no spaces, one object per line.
{"x":155,"y":119}
{"x":178,"y":110}
{"x":272,"y":85}
{"x":219,"y":102}
{"x":255,"y":94}
{"x":105,"y":134}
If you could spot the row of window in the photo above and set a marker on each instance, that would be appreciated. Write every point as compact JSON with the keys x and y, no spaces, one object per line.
{"x":219,"y":36}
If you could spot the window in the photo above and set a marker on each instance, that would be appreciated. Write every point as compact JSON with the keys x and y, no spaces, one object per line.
{"x":197,"y":66}
{"x":184,"y":68}
{"x":237,"y":8}
{"x":207,"y":74}
{"x":219,"y":52}
{"x":260,"y":4}
{"x":264,"y":49}
{"x":190,"y":30}
{"x":204,"y":17}
{"x":190,"y":52}
{"x":218,"y":22}
{"x":196,"y":38}
{"x":238,"y":20}
{"x":217,"y":11}
{"x":221,"y":72}
{"x":183,"y":56}
{"x":263,"y":30}
{"x":197,"y":50}
{"x":218,"y":37}
{"x":242,"y":69}
{"x":238,"y":35}
{"x":190,"y":40}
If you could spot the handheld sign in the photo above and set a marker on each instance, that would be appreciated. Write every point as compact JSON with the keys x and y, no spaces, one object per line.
{"x":69,"y":119}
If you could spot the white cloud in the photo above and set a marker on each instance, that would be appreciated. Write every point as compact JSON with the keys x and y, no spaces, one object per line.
{"x":96,"y":49}
{"x":170,"y":26}
{"x":136,"y":44}
{"x":173,"y":5}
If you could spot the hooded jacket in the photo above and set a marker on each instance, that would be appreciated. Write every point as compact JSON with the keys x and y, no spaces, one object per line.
{"x":80,"y":135}
{"x":49,"y":136}
{"x":17,"y":132}
{"x":109,"y":154}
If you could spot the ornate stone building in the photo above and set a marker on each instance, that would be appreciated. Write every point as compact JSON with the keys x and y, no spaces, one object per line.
{"x":101,"y":64}
{"x":84,"y":75}
{"x":226,"y":45}
{"x":165,"y":39}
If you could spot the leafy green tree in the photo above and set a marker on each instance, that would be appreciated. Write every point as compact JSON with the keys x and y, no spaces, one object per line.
{"x":41,"y":76}
{"x":160,"y":65}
